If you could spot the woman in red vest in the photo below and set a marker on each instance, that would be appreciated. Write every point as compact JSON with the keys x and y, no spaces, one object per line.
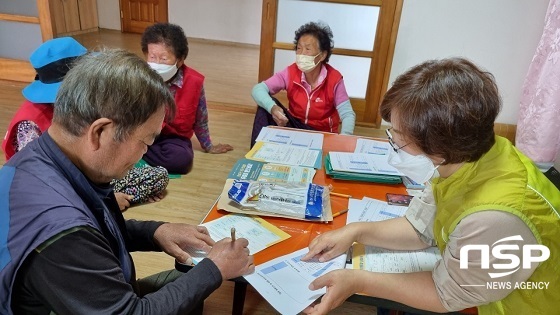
{"x":316,"y":93}
{"x":165,"y":47}
{"x":51,"y":61}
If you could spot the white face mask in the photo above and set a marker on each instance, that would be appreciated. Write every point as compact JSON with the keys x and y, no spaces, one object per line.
{"x":306,"y":63}
{"x":419,"y":168}
{"x":165,"y":71}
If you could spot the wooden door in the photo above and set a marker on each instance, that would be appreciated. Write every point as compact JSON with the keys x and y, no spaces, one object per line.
{"x":136,"y":15}
{"x":65,"y":15}
{"x":88,"y":14}
{"x":380,"y":58}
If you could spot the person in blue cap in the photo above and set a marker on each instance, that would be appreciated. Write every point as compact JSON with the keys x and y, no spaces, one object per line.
{"x":52,"y":60}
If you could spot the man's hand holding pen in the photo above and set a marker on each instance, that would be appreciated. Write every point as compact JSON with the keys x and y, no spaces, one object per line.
{"x":232,"y":257}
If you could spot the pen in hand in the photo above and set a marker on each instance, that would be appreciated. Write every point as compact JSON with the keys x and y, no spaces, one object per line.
{"x":233,"y":234}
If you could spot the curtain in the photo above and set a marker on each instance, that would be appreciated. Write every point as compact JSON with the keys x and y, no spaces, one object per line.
{"x":538,"y":126}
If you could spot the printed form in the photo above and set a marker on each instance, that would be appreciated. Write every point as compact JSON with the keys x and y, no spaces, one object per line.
{"x":285,"y":154}
{"x":286,"y":173}
{"x":309,"y":140}
{"x":383,"y":260}
{"x":284,"y":281}
{"x":372,"y":147}
{"x":362,"y":163}
{"x":260,"y":233}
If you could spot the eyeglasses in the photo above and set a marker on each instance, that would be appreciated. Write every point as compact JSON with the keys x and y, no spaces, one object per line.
{"x":395,"y":147}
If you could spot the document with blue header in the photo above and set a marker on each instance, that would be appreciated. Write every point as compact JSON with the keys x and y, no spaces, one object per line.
{"x":284,"y":281}
{"x":362,"y":163}
{"x":372,"y":147}
{"x":302,"y":139}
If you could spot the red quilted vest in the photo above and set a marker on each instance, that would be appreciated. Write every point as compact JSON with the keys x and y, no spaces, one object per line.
{"x":186,"y":101}
{"x":317,"y":109}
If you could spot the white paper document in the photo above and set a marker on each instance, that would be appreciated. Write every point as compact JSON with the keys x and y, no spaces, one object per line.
{"x":260,"y":233}
{"x":384,"y":260}
{"x":362,"y":163}
{"x":369,"y":210}
{"x":390,"y":261}
{"x":296,"y":138}
{"x":372,"y":147}
{"x":284,"y":281}
{"x":285,"y":154}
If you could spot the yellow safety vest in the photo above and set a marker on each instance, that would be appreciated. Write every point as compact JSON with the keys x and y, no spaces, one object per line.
{"x":504,"y":179}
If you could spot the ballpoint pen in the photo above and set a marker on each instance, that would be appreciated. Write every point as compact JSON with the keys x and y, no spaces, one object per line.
{"x":232,"y":234}
{"x":340,"y":195}
{"x":339,"y":213}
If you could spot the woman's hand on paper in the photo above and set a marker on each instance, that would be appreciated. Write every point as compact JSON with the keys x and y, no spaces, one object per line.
{"x":331,"y":244}
{"x":340,"y":285}
{"x":278,"y":115}
{"x":232,"y":258}
{"x":173,"y":238}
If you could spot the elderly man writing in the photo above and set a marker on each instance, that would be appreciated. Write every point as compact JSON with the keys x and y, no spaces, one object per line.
{"x":64,"y":247}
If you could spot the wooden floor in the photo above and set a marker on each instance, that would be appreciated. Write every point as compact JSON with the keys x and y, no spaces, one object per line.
{"x":189,"y":198}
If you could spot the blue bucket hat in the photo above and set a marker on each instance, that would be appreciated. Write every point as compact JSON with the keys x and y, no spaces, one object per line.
{"x":51,"y":61}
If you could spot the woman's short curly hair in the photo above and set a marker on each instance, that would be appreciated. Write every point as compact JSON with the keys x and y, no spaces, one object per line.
{"x":445,"y":107}
{"x":170,"y":35}
{"x":322,"y":32}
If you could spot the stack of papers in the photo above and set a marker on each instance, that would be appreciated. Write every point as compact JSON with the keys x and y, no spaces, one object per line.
{"x":285,"y":154}
{"x":372,"y":147}
{"x":288,"y":147}
{"x":410,"y":184}
{"x":291,"y":137}
{"x":361,"y":167}
{"x":383,"y":260}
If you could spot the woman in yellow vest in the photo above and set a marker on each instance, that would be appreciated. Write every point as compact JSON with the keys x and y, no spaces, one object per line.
{"x":493,"y":215}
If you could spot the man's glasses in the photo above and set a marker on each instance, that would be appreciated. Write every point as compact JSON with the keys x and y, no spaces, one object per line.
{"x":395,"y":147}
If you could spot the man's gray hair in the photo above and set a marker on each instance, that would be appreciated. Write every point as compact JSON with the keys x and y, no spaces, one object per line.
{"x":113,"y":84}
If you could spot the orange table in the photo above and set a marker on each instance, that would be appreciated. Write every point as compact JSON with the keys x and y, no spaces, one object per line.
{"x":302,"y":232}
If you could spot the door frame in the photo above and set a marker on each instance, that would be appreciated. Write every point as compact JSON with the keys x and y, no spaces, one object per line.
{"x":21,"y":70}
{"x":367,"y":108}
{"x":138,"y":28}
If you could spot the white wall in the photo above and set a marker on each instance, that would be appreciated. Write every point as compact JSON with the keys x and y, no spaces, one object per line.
{"x":234,"y":21}
{"x":499,"y":35}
